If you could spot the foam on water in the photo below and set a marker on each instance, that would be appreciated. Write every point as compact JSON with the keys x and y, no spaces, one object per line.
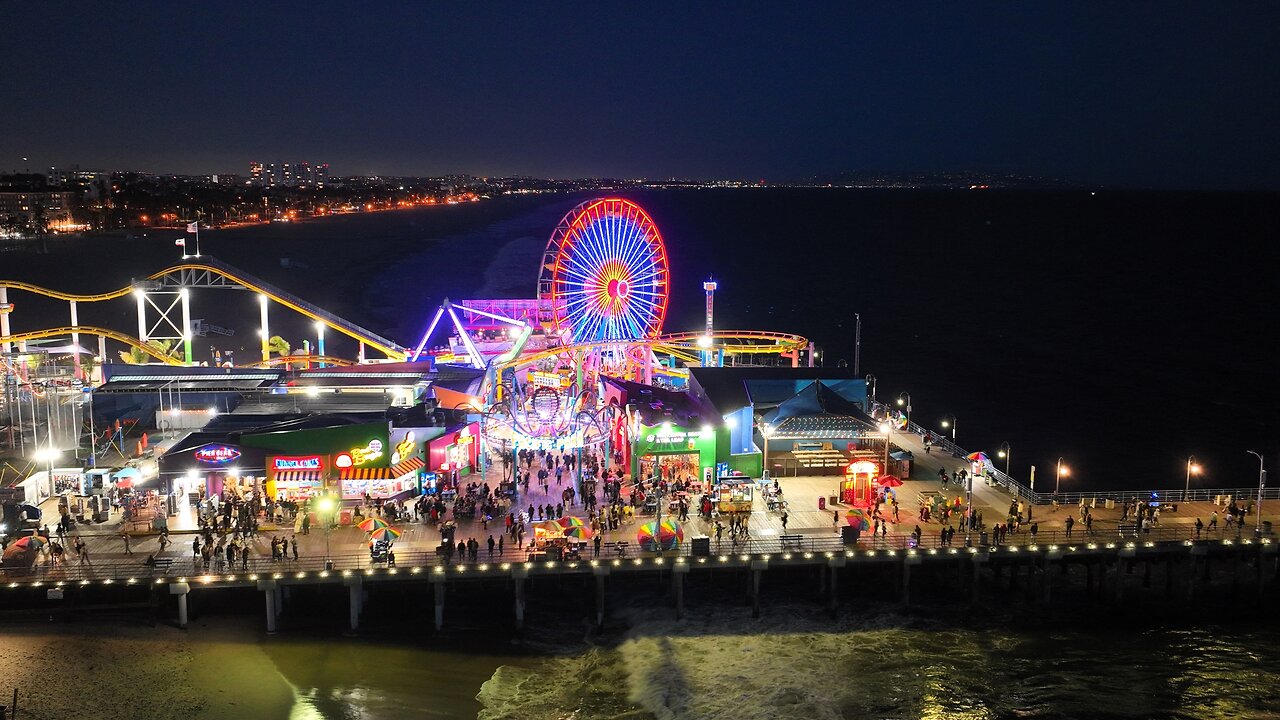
{"x":798,"y":662}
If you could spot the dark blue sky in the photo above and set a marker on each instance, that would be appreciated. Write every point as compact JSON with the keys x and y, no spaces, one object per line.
{"x":1164,"y":94}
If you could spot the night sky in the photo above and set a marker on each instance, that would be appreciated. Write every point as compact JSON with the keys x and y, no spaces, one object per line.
{"x":1160,"y":94}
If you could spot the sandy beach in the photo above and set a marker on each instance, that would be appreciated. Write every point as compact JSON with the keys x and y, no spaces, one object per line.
{"x":127,"y":670}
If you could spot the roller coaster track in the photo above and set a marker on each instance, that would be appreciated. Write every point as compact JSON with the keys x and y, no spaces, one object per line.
{"x":129,"y":340}
{"x":174,"y":277}
{"x":313,"y":359}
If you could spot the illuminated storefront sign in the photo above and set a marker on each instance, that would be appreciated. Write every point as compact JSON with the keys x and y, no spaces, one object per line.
{"x":297,"y":462}
{"x":538,"y":378}
{"x":215,"y":454}
{"x":367,"y":454}
{"x":342,"y":460}
{"x":404,"y":449}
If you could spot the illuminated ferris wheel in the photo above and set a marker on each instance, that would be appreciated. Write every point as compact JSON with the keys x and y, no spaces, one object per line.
{"x":605,"y":273}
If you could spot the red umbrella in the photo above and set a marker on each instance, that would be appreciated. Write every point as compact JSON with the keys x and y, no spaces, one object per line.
{"x":888,"y":481}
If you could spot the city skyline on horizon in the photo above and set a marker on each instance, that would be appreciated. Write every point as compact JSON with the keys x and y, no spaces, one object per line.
{"x":1086,"y":93}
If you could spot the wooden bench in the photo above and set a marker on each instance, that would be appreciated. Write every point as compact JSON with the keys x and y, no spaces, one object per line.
{"x":162,"y":566}
{"x":794,"y":540}
{"x":620,"y":547}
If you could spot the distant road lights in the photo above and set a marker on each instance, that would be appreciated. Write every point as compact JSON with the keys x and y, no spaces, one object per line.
{"x":1006,"y":453}
{"x":1062,"y":472}
{"x":1193,"y":468}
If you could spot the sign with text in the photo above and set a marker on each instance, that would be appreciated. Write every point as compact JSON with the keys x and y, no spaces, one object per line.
{"x":215,"y":454}
{"x":297,"y":462}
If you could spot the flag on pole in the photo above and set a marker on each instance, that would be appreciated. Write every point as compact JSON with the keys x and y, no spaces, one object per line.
{"x":180,"y":242}
{"x":193,"y":227}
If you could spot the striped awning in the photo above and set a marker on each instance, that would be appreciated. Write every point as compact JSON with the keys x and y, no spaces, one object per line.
{"x":395,"y":472}
{"x":297,"y":476}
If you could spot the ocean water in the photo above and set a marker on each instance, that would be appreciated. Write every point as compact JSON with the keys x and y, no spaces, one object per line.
{"x":796,"y":661}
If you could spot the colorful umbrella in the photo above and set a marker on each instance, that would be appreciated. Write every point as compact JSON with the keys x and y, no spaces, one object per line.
{"x":660,"y":536}
{"x":570,"y":521}
{"x":978,"y":457}
{"x":888,"y":481}
{"x":547,"y":529}
{"x":371,"y":524}
{"x":582,"y":532}
{"x":857,"y":518}
{"x":31,"y":541}
{"x":385,"y":533}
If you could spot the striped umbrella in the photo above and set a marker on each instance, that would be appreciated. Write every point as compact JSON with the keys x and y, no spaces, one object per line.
{"x":582,"y":532}
{"x":385,"y":533}
{"x":373,"y":523}
{"x":571,"y":521}
{"x":857,"y":517}
{"x":31,"y":541}
{"x":888,"y":481}
{"x":978,"y":457}
{"x":660,"y":536}
{"x":547,"y":529}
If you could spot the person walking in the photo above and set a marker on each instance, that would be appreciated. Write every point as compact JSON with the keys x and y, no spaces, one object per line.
{"x":784,"y":520}
{"x":127,"y":550}
{"x":491,"y":543}
{"x":596,"y":541}
{"x":293,"y":545}
{"x":835,"y":521}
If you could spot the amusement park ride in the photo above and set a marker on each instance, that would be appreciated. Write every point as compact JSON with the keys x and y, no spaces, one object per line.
{"x":602,"y":294}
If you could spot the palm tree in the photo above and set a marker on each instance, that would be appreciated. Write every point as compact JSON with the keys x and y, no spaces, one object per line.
{"x":278,"y":345}
{"x":138,"y":356}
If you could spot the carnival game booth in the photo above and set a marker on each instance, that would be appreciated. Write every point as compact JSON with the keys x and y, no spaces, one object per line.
{"x":858,"y":487}
{"x":456,"y":450}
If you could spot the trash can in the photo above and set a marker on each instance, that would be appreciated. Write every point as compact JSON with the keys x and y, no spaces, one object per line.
{"x":822,"y":503}
{"x":701,"y":546}
{"x":982,"y":538}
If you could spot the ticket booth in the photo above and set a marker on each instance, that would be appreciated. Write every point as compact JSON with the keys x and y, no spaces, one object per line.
{"x":857,"y":486}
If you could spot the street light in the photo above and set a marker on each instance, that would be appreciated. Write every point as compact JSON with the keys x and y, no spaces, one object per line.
{"x":1262,"y":483}
{"x":906,"y":405}
{"x":886,"y":428}
{"x":765,"y":432}
{"x":950,"y":422}
{"x":1063,"y":471}
{"x":1192,"y":467}
{"x":47,"y":455}
{"x":1006,"y":453}
{"x":326,"y":505}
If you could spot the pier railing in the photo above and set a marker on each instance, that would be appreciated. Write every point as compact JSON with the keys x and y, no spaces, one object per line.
{"x":1219,"y":496}
{"x":136,"y":572}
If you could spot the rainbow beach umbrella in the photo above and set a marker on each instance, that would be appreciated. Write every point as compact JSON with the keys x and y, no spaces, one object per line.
{"x":384,"y":533}
{"x":857,"y":518}
{"x":371,"y":524}
{"x":666,"y":535}
{"x":31,"y":541}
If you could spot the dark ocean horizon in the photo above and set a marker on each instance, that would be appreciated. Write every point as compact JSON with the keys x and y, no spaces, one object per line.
{"x":1122,"y":331}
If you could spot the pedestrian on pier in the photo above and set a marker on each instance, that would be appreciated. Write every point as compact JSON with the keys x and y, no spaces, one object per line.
{"x":293,"y":545}
{"x":500,"y":537}
{"x":127,"y":550}
{"x":492,"y":543}
{"x":1199,"y":527}
{"x":1070,"y":523}
{"x":1213,"y":520}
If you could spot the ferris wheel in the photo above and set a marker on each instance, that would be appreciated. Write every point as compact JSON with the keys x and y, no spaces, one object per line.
{"x":605,"y":273}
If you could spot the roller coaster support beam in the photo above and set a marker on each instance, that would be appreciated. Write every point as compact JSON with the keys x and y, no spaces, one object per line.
{"x":320,"y":341}
{"x":4,"y":319}
{"x":265,"y":330}
{"x":141,"y":297}
{"x":75,"y":338}
{"x":186,"y":327}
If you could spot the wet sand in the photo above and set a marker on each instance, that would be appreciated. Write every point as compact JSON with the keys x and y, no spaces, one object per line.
{"x":111,"y":670}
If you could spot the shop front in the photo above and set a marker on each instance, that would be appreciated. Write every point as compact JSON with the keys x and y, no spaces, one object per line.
{"x":673,"y":453}
{"x":353,"y":461}
{"x":857,"y":487}
{"x":203,"y":467}
{"x":457,"y":450}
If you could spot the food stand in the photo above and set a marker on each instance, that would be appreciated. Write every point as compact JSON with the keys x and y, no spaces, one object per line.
{"x":734,"y":494}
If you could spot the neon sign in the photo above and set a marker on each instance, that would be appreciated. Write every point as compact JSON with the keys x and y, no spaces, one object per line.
{"x":297,"y":462}
{"x":366,"y":454}
{"x":342,"y":460}
{"x":403,"y":449}
{"x":215,"y":454}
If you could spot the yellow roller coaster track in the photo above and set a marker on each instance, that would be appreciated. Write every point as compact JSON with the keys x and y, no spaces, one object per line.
{"x":91,"y":330}
{"x":300,"y":359}
{"x":391,"y":351}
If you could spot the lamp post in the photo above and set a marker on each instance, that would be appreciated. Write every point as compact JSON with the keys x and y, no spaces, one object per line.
{"x":1192,"y":467}
{"x":765,"y":432}
{"x":950,"y":422}
{"x":905,"y":404}
{"x":871,"y":387}
{"x":1063,"y":471}
{"x":886,"y":428}
{"x":325,"y":506}
{"x":1006,"y":453}
{"x":1262,"y":483}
